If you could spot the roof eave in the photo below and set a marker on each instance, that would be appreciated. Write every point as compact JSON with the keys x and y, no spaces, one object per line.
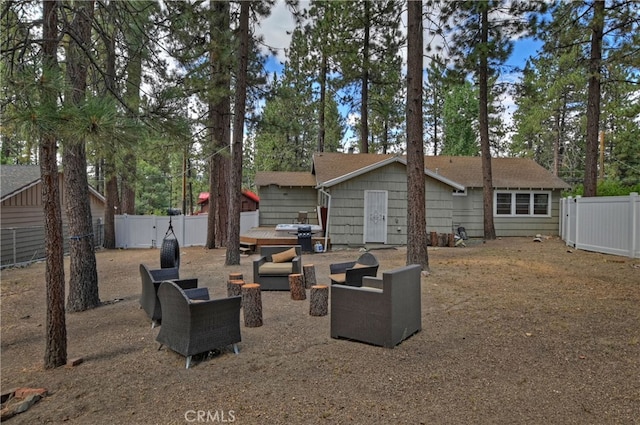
{"x":21,"y":189}
{"x":439,"y":177}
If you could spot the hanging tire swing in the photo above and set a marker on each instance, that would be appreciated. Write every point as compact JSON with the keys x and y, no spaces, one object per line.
{"x":170,"y":250}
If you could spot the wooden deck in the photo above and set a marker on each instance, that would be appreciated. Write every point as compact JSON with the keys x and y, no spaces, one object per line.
{"x":259,"y":236}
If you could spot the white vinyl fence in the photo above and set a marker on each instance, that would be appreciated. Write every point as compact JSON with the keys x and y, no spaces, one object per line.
{"x":147,"y":231}
{"x":607,"y":224}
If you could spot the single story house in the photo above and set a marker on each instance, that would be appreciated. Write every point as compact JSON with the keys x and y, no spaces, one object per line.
{"x":22,"y":213}
{"x":361,"y":199}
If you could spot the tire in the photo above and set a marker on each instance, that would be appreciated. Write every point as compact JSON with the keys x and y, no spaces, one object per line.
{"x":169,"y":254}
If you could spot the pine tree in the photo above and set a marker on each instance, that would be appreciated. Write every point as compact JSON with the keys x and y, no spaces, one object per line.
{"x":235,"y":187}
{"x":460,"y":120}
{"x":416,"y":211}
{"x":83,"y":273}
{"x":481,"y":39}
{"x":56,"y":330}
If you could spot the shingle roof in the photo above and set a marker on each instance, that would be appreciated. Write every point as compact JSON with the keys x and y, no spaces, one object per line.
{"x":466,"y":170}
{"x":330,"y":165}
{"x":14,"y":178}
{"x":513,"y":173}
{"x":285,"y":178}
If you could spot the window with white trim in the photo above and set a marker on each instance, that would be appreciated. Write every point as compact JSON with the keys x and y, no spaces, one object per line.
{"x":518,"y":203}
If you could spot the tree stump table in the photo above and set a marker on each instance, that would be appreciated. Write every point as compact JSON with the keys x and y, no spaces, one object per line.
{"x":309,"y":272}
{"x":231,"y":290}
{"x":252,"y":305}
{"x":319,"y":302}
{"x":296,"y":287}
{"x":234,"y":287}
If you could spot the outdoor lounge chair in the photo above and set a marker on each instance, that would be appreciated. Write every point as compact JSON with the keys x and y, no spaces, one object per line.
{"x":276,"y":262}
{"x":151,"y":280}
{"x":382,"y":312}
{"x":195,"y":324}
{"x":351,"y":273}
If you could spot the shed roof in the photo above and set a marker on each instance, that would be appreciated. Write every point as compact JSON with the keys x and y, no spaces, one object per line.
{"x":204,"y":196}
{"x":285,"y":178}
{"x":16,"y":178}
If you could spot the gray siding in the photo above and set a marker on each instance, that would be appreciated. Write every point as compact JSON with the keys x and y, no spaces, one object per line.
{"x":468,"y":212}
{"x":22,"y":231}
{"x":280,"y":205}
{"x":346,"y":221}
{"x":24,"y":209}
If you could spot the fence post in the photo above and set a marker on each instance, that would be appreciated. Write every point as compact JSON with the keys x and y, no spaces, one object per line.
{"x":561,"y":219}
{"x":577,"y":222}
{"x":635,"y":227}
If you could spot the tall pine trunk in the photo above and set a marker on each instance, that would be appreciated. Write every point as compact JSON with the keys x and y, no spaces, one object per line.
{"x":364,"y":84}
{"x":128,"y":175}
{"x":109,"y":169}
{"x":324,"y":70}
{"x":219,"y":130}
{"x":485,"y":144}
{"x":593,"y":101}
{"x":416,"y":198}
{"x":83,"y":274}
{"x":56,"y":331}
{"x":235,"y":187}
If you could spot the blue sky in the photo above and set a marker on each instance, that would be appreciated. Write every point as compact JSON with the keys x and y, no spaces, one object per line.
{"x":279,"y":23}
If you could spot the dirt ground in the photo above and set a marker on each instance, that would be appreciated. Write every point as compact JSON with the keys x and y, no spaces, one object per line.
{"x":514,"y":331}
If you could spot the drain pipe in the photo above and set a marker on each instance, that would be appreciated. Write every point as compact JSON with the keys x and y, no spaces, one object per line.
{"x":326,"y":231}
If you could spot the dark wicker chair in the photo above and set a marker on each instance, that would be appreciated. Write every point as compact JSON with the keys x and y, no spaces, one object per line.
{"x":382,"y":312}
{"x":195,"y":324}
{"x":352,"y":272}
{"x":274,"y":276}
{"x":151,"y":280}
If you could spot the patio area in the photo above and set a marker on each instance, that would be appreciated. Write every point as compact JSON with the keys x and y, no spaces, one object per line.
{"x":513,"y":331}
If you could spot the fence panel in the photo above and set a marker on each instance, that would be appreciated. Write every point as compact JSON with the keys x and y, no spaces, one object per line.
{"x":24,"y":245}
{"x":608,"y":224}
{"x":147,"y":231}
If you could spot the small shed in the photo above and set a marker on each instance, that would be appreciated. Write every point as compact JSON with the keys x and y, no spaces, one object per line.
{"x":249,"y":202}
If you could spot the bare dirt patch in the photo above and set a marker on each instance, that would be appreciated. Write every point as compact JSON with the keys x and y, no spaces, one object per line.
{"x":514,"y":331}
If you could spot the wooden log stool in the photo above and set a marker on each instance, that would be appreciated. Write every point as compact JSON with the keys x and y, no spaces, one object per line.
{"x":319,"y":302}
{"x":252,"y":305}
{"x":296,"y":287}
{"x":231,"y":290}
{"x":234,"y":287}
{"x":309,"y":272}
{"x":434,"y":238}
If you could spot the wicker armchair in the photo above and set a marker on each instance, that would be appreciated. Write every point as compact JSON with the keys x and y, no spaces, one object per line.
{"x":195,"y":324}
{"x":151,"y":280}
{"x":352,"y":272}
{"x":382,"y":312}
{"x":271,"y":272}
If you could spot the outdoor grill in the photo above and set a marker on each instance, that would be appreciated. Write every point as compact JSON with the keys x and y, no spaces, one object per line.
{"x":304,"y":238}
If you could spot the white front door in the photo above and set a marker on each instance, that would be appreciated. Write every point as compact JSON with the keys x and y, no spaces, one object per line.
{"x":375,"y":216}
